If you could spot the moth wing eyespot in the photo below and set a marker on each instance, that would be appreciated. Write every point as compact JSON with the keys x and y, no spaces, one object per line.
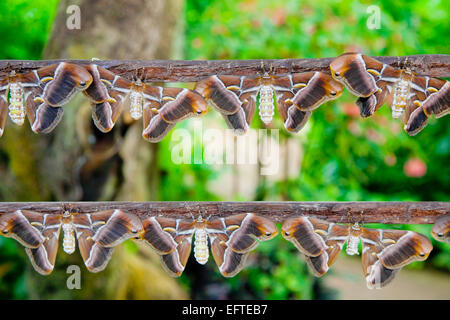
{"x":286,"y":233}
{"x":333,"y":93}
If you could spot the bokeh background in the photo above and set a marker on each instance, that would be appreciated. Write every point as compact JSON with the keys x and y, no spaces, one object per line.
{"x":337,"y":157}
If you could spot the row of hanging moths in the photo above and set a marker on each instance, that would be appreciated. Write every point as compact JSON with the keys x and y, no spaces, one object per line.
{"x":41,"y":94}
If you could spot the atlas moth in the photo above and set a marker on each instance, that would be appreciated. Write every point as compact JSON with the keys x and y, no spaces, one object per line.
{"x":412,"y":98}
{"x":441,"y":229}
{"x":40,"y":94}
{"x":161,"y":108}
{"x":97,"y":233}
{"x":297,"y":95}
{"x":231,"y":239}
{"x":384,"y":252}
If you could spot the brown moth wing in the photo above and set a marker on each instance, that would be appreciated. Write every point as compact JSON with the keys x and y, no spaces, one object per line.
{"x":237,"y":121}
{"x":375,"y":273}
{"x":320,"y":264}
{"x":3,"y":113}
{"x":319,"y":240}
{"x":312,"y":89}
{"x":234,"y":97}
{"x":118,"y":227}
{"x":22,"y":228}
{"x":105,"y":114}
{"x":229,"y":262}
{"x":157,"y":129}
{"x":161,"y":241}
{"x":417,"y":120}
{"x":437,"y":103}
{"x":107,"y":102}
{"x":296,"y":119}
{"x":293,"y":118}
{"x":222,"y":92}
{"x":247,"y":229}
{"x":302,"y":232}
{"x":441,"y":229}
{"x":368,"y":105}
{"x":67,"y":79}
{"x":240,"y":121}
{"x":178,"y":104}
{"x":95,"y":256}
{"x":47,"y":118}
{"x":233,"y":263}
{"x":163,"y":236}
{"x":175,"y":262}
{"x":43,"y":257}
{"x":403,"y":247}
{"x":233,"y":237}
{"x":42,"y":117}
{"x":168,"y":106}
{"x":102,"y":79}
{"x":351,"y":70}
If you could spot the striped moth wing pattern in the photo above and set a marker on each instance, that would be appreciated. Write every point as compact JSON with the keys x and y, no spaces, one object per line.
{"x":96,"y":233}
{"x":231,"y":239}
{"x":384,"y":252}
{"x":40,"y":94}
{"x":441,"y":229}
{"x":296,"y":94}
{"x":412,"y":98}
{"x":160,"y":108}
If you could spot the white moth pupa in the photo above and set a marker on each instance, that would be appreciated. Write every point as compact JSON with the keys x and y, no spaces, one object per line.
{"x":69,"y":238}
{"x":201,"y":250}
{"x":400,"y":99}
{"x":353,"y":241}
{"x":266,"y":108}
{"x":16,"y":107}
{"x":136,"y":102}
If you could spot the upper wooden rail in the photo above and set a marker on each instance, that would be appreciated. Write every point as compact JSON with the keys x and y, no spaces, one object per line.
{"x":433,"y":65}
{"x":344,"y":212}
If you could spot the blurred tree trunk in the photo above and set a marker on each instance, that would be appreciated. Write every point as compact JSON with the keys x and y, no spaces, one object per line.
{"x":81,"y":163}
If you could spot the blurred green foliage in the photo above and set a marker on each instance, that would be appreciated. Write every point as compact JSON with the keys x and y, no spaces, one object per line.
{"x":24,"y":27}
{"x":345,"y":157}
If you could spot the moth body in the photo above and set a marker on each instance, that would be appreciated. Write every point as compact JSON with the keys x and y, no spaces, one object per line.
{"x":352,"y":245}
{"x":69,"y":238}
{"x":16,"y":106}
{"x":353,"y":240}
{"x":201,"y":250}
{"x":136,"y":103}
{"x":266,"y":109}
{"x":400,"y":96}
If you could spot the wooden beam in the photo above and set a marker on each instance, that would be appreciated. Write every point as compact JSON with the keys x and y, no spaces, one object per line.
{"x":433,"y":65}
{"x":344,"y":212}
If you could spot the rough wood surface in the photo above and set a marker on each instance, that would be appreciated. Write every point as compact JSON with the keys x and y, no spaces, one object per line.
{"x":366,"y":212}
{"x":433,"y":65}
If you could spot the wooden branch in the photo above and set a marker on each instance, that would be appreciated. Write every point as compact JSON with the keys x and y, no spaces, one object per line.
{"x":433,"y":65}
{"x":344,"y":212}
